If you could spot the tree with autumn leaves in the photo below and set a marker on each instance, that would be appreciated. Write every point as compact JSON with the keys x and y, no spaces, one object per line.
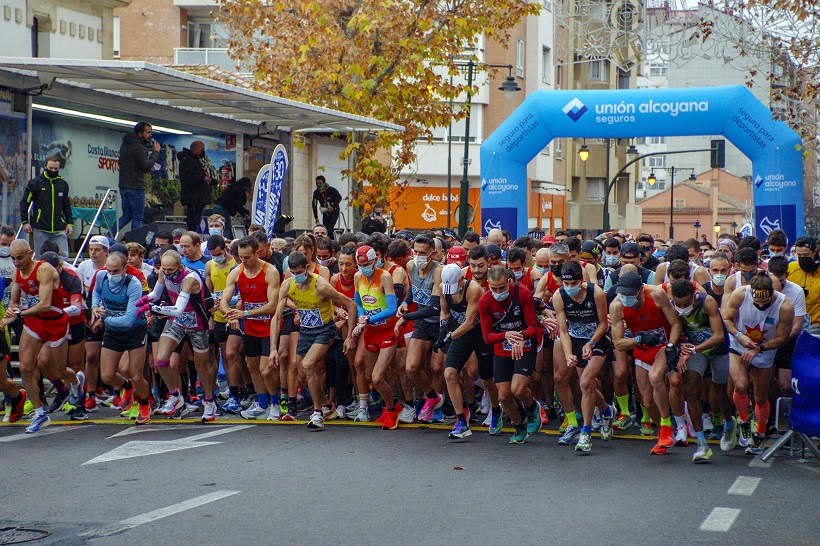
{"x":388,"y":59}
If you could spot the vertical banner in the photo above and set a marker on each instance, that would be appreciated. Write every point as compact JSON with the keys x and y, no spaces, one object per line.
{"x":278,"y":170}
{"x":13,"y":160}
{"x":261,"y":189}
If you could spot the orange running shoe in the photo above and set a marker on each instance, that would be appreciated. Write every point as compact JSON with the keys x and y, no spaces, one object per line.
{"x":658,"y":449}
{"x":544,"y":418}
{"x":145,"y":414}
{"x":380,"y":418}
{"x":16,"y":412}
{"x":666,"y":437}
{"x":390,"y":418}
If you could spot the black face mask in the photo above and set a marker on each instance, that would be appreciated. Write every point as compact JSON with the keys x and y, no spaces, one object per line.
{"x":748,"y":275}
{"x":763,"y":307}
{"x":809,"y":264}
{"x":51,"y":175}
{"x":556,"y":269}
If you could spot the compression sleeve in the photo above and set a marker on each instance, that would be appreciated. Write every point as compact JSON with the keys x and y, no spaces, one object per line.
{"x":73,"y":311}
{"x":392,"y":307}
{"x":358,"y":299}
{"x":427,"y":311}
{"x":155,"y":294}
{"x":173,"y":310}
{"x":398,"y":288}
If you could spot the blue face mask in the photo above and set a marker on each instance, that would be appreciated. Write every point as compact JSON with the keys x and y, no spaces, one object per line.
{"x":572,"y":291}
{"x":114,"y":279}
{"x":611,"y":260}
{"x":629,"y":301}
{"x":379,"y":263}
{"x":366,"y":270}
{"x":220,"y":259}
{"x":214,"y":231}
{"x":501,"y":296}
{"x":543,"y":270}
{"x":300,"y":278}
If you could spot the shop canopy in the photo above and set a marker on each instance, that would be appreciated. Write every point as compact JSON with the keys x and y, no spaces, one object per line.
{"x":154,"y":92}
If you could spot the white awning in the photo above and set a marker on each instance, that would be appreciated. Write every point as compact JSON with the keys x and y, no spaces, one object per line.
{"x":160,"y":87}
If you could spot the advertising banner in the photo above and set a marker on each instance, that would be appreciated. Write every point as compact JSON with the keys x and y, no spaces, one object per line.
{"x":261,"y":191}
{"x":278,"y":171}
{"x":13,"y":172}
{"x":426,"y":207}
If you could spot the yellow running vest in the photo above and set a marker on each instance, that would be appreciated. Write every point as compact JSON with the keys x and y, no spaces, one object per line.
{"x":219,"y":277}
{"x":312,"y":311}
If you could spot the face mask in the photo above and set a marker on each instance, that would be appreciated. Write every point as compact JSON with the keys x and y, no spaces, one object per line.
{"x":501,"y":296}
{"x":808,"y":263}
{"x":421,"y":261}
{"x":763,"y":307}
{"x":325,"y":262}
{"x":775,"y":254}
{"x":684,"y":311}
{"x":174,"y":277}
{"x":543,"y":270}
{"x":366,"y":270}
{"x":51,"y":175}
{"x":556,"y":269}
{"x":178,"y":247}
{"x":214,"y":231}
{"x":518,"y":274}
{"x":718,"y":280}
{"x":220,"y":259}
{"x":706,"y":263}
{"x":748,"y":275}
{"x":572,"y":291}
{"x":659,"y":254}
{"x":379,"y":263}
{"x":114,"y":279}
{"x":629,"y":301}
{"x":5,"y":251}
{"x":300,"y":278}
{"x":611,"y":260}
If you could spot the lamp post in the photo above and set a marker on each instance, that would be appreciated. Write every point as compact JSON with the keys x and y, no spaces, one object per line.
{"x":717,"y":232}
{"x":697,"y":228}
{"x":510,"y":87}
{"x":734,"y":228}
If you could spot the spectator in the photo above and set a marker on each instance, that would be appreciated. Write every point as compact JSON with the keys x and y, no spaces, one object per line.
{"x":232,"y":202}
{"x":51,"y":208}
{"x":326,"y":199}
{"x":375,"y":223}
{"x":138,"y":154}
{"x":194,"y":183}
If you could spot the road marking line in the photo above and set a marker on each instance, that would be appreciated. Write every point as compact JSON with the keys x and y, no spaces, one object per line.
{"x":24,"y":436}
{"x":758,"y":463}
{"x":744,"y":485}
{"x":154,"y":515}
{"x":720,"y":520}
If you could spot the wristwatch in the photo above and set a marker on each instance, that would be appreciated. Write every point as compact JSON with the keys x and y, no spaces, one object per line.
{"x":760,"y":346}
{"x":246,"y":314}
{"x":670,"y":345}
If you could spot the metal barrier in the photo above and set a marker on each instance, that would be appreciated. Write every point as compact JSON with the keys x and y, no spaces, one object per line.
{"x":110,"y":191}
{"x":20,"y":229}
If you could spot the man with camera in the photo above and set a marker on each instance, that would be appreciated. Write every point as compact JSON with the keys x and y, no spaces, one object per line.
{"x":138,"y":153}
{"x":375,"y":223}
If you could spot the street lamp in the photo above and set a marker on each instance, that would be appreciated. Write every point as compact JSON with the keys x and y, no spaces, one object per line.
{"x":717,"y":231}
{"x":652,"y":180}
{"x":734,"y":227}
{"x":697,"y":228}
{"x":583,"y":153}
{"x":510,"y":87}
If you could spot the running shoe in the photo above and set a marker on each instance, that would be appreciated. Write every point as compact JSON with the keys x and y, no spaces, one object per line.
{"x":232,"y":405}
{"x":716,"y":433}
{"x":341,"y":413}
{"x":15,"y":413}
{"x":744,"y":433}
{"x":316,"y":422}
{"x":665,"y":438}
{"x":28,"y":407}
{"x":390,"y":419}
{"x":658,"y":449}
{"x":253,"y":412}
{"x":57,"y":403}
{"x":132,"y":412}
{"x":647,"y":430}
{"x":113,"y":402}
{"x":283,"y":405}
{"x":564,"y":424}
{"x":681,"y":437}
{"x":209,"y":413}
{"x":584,"y":444}
{"x":329,"y":412}
{"x":758,"y":444}
{"x":77,"y":413}
{"x":275,"y":413}
{"x":430,"y":404}
{"x":728,"y":441}
{"x":90,"y":404}
{"x":606,"y":424}
{"x":173,"y":404}
{"x":304,"y":404}
{"x":353,"y":406}
{"x":127,"y":398}
{"x":380,"y":418}
{"x":106,"y":400}
{"x":534,"y":419}
{"x":75,"y":393}
{"x":363,"y":416}
{"x":486,"y":405}
{"x":182,"y":412}
{"x":288,"y":417}
{"x":438,"y":416}
{"x":408,"y":414}
{"x":708,"y":425}
{"x":569,"y":435}
{"x":488,"y":420}
{"x":460,"y":430}
{"x":38,"y":422}
{"x":474,"y":413}
{"x":543,"y":414}
{"x":519,"y":436}
{"x":496,"y":423}
{"x":702,"y":454}
{"x":447,"y":410}
{"x":250,"y":399}
{"x":596,"y":419}
{"x":622,"y":422}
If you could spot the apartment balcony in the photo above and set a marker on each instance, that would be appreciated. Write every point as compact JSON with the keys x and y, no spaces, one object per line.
{"x":205,"y":56}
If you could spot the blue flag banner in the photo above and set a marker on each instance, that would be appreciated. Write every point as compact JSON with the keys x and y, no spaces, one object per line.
{"x":278,"y":171}
{"x":261,"y":189}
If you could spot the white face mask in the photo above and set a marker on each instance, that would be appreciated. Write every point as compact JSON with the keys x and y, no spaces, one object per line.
{"x":684,"y":311}
{"x":114,"y":279}
{"x":421,"y":261}
{"x":718,"y":280}
{"x":325,"y":262}
{"x":5,"y":251}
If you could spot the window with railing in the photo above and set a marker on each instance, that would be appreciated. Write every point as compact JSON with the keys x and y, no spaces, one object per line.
{"x":546,"y":64}
{"x":519,"y":59}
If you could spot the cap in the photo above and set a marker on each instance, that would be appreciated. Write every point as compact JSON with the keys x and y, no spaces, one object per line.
{"x":118,"y":247}
{"x":450,"y":233}
{"x":99,"y":240}
{"x":493,"y":251}
{"x":450,"y":277}
{"x":548,"y":240}
{"x":590,"y":250}
{"x":455,"y":254}
{"x":364,"y":254}
{"x":631,"y":250}
{"x":629,"y":283}
{"x":51,"y":257}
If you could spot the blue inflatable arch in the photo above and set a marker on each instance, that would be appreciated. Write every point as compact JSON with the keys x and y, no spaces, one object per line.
{"x":732,"y":111}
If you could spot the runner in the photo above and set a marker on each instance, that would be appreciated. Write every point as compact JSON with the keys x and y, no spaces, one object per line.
{"x":719,"y":267}
{"x":747,"y":268}
{"x":779,"y":268}
{"x":313,"y":297}
{"x":508,"y":323}
{"x":98,"y":254}
{"x":338,"y":361}
{"x":115,"y":304}
{"x":516,"y":263}
{"x":648,"y":314}
{"x":258,"y":285}
{"x":759,"y":320}
{"x":45,"y":329}
{"x":582,"y":319}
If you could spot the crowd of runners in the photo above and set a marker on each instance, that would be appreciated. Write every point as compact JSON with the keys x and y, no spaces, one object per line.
{"x":679,"y":341}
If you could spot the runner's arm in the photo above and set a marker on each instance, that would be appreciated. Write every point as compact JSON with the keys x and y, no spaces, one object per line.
{"x":715,"y":322}
{"x":277,"y":317}
{"x":784,"y":327}
{"x":663,"y":302}
{"x":474,"y":293}
{"x":600,"y":305}
{"x":173,"y":310}
{"x":227,"y":294}
{"x":390,"y":299}
{"x":563,"y":327}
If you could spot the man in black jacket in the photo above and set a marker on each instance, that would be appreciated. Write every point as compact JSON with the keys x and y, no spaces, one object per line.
{"x":138,"y":153}
{"x":194,"y":183}
{"x":232,"y":202}
{"x":326,"y":199}
{"x":51,"y":218}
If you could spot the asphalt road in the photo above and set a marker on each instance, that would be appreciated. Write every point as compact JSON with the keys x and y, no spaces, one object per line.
{"x":238,"y":483}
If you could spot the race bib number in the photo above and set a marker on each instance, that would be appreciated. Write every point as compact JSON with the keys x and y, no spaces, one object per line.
{"x":660,"y":332}
{"x":310,"y":318}
{"x":27,"y":302}
{"x":581,"y":331}
{"x":249,"y":306}
{"x":372,"y":312}
{"x":421,"y":297}
{"x":458,"y":316}
{"x":696,"y":337}
{"x":187,"y":320}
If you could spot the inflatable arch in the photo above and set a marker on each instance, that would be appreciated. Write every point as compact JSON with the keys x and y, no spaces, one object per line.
{"x":732,"y":111}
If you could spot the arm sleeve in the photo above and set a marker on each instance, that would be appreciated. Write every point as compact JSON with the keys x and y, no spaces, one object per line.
{"x":387,"y":313}
{"x":432,"y":310}
{"x":173,"y":310}
{"x":398,"y":288}
{"x":127,"y":320}
{"x":408,"y":299}
{"x":529,"y":315}
{"x":73,"y":311}
{"x":358,"y":299}
{"x":156,"y":293}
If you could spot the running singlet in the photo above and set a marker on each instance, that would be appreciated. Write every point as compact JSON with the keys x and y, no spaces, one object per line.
{"x":348,"y":290}
{"x":194,"y":317}
{"x":423,"y":290}
{"x":70,"y":284}
{"x":458,"y":311}
{"x":313,"y":312}
{"x":115,"y":301}
{"x":692,"y":269}
{"x":582,"y":317}
{"x":516,"y":317}
{"x":469,"y":276}
{"x":649,"y":319}
{"x":374,"y":301}
{"x":698,"y":328}
{"x":219,"y":277}
{"x":526,"y":279}
{"x":30,"y":295}
{"x":759,"y":326}
{"x":254,"y":294}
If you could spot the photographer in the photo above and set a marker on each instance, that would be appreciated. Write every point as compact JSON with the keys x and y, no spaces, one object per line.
{"x":375,"y":223}
{"x":194,"y":183}
{"x":138,"y":153}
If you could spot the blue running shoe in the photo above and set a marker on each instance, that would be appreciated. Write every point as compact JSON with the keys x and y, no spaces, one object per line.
{"x":38,"y":422}
{"x":534,"y":419}
{"x":496,"y":423}
{"x":232,"y":405}
{"x":597,"y":420}
{"x":438,"y":416}
{"x":569,"y":435}
{"x":519,"y":436}
{"x":460,"y":430}
{"x":76,"y":391}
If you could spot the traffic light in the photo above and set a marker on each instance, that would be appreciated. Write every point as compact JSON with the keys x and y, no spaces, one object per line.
{"x":718,"y":154}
